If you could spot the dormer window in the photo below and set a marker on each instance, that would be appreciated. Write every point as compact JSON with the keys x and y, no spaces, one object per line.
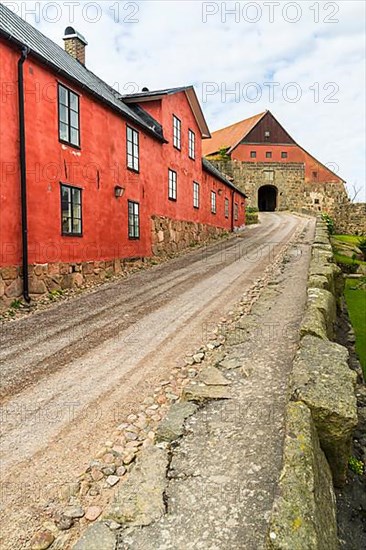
{"x":267,"y":134}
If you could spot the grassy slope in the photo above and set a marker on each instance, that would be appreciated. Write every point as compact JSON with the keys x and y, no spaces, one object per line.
{"x":356,"y":302}
{"x":351,"y":239}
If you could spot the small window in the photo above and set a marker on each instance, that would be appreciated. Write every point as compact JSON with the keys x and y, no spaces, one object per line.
{"x":68,"y":116}
{"x":133,"y":220}
{"x":315,"y":175}
{"x":316,"y":201}
{"x":191,"y":144}
{"x":172,"y":191}
{"x":253,"y":154}
{"x":267,"y":134}
{"x":133,"y":153}
{"x":177,"y":126}
{"x":268,"y":155}
{"x":284,"y":155}
{"x":236,"y":211}
{"x":196,"y":195}
{"x":226,"y":208}
{"x":213,"y":202}
{"x":71,"y":216}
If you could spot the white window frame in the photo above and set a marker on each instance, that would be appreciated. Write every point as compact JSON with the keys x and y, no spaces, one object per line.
{"x":172,"y":185}
{"x":213,"y":202}
{"x":191,"y":144}
{"x":196,"y":194}
{"x":133,"y":149}
{"x":177,"y":132}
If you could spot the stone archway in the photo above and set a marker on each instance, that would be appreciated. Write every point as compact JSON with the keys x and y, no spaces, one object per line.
{"x":267,"y":198}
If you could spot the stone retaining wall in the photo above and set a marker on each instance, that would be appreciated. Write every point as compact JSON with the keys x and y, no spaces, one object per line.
{"x":321,"y":417}
{"x":170,"y":236}
{"x":351,"y":219}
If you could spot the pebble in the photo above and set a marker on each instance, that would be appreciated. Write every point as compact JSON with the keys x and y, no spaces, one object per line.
{"x":118,"y":449}
{"x":109,"y":471}
{"x":64,"y":523}
{"x":42,"y":540}
{"x":131,"y":436}
{"x":112,"y":480}
{"x":127,"y":459}
{"x":189,"y":361}
{"x":108,"y":458}
{"x":74,"y":512}
{"x":96,"y":474}
{"x":121,"y":471}
{"x":93,"y":513}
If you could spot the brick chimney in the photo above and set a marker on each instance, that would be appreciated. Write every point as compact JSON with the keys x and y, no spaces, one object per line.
{"x":75,"y":44}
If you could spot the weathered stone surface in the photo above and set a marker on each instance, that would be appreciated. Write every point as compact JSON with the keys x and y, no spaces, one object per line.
{"x":172,"y":426}
{"x":74,"y":512}
{"x":97,"y":537}
{"x":93,"y":513}
{"x":231,"y":363}
{"x":314,"y":323}
{"x":333,"y":274}
{"x":201,"y":392}
{"x":42,"y":540}
{"x":211,"y":376}
{"x":322,"y":379}
{"x":37,"y":286}
{"x":139,"y":501}
{"x":324,"y":301}
{"x":15,"y":289}
{"x":319,"y":281}
{"x":304,"y":513}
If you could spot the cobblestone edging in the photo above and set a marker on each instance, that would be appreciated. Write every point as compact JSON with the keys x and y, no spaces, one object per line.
{"x":169,"y":238}
{"x":321,"y":417}
{"x":118,"y":487}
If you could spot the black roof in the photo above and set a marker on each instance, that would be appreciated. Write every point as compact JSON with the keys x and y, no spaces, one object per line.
{"x":148,"y":93}
{"x":15,"y":29}
{"x":215,"y":172}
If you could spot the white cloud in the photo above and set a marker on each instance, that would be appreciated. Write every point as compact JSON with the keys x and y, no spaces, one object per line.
{"x":170,"y":45}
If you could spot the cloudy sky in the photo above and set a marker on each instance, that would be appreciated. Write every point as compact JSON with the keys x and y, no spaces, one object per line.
{"x":302,"y":60}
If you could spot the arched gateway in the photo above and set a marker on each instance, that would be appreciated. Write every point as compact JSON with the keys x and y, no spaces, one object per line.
{"x":267,"y":198}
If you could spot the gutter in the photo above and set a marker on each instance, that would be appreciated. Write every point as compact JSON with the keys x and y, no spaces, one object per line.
{"x":23,"y":174}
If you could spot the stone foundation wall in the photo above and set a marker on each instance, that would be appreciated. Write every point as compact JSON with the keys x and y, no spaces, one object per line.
{"x":45,"y":278}
{"x":170,"y":236}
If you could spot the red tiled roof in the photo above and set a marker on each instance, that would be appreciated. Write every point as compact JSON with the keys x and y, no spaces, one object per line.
{"x":230,"y":136}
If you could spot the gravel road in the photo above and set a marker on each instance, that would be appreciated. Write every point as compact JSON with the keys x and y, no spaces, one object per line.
{"x":68,"y":374}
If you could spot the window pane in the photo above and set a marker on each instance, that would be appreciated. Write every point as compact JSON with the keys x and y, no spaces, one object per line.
{"x":63,"y":95}
{"x":64,"y":114}
{"x":64,"y":132}
{"x":74,"y":136}
{"x":76,"y":226}
{"x":74,"y":119}
{"x":74,"y":101}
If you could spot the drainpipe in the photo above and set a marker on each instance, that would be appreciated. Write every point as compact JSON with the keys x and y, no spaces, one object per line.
{"x":232,"y":211}
{"x":23,"y":174}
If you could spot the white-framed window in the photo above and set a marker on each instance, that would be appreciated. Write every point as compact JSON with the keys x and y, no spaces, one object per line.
{"x":196,"y":194}
{"x":172,"y":190}
{"x":133,"y":220}
{"x":133,"y":153}
{"x":68,"y":116}
{"x":236,"y":211}
{"x":213,"y":202}
{"x":191,"y":144}
{"x":177,"y":130}
{"x":71,"y":211}
{"x":226,"y":208}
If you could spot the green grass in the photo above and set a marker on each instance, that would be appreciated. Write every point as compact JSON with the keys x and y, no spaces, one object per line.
{"x":350,"y":239}
{"x":355,"y":293}
{"x":341,"y":259}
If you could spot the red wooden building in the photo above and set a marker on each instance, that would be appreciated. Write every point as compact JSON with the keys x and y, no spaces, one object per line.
{"x":87,"y":175}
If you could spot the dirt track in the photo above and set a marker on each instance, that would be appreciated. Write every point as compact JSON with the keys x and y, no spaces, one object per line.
{"x":69,"y":374}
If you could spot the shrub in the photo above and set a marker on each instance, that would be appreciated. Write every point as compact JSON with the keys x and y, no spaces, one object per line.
{"x":329,"y":222}
{"x":356,"y":465}
{"x":362,"y":246}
